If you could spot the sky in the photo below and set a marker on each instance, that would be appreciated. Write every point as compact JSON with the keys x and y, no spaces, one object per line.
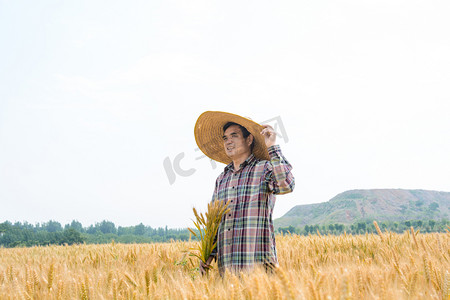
{"x":98,"y":101}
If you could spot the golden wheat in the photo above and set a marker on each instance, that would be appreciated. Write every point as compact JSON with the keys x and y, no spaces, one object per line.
{"x":378,"y":230}
{"x":311,"y":267}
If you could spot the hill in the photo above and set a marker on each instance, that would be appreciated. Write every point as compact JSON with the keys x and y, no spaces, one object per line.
{"x":373,"y":204}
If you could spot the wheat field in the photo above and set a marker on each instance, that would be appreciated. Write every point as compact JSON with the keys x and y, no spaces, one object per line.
{"x":390,"y":266}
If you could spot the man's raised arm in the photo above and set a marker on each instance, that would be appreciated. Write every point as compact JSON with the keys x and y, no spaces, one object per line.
{"x":278,"y":173}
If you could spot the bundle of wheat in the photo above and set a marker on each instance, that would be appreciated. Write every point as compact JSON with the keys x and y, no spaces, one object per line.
{"x":207,"y":229}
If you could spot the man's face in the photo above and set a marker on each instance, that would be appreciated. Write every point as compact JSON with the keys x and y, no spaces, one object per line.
{"x":234,"y":142}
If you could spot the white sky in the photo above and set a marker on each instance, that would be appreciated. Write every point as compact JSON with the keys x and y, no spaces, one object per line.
{"x":94,"y":95}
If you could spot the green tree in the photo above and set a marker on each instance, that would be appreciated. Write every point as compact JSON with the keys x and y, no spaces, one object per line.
{"x":106,"y":227}
{"x":75,"y":225}
{"x":3,"y":228}
{"x":92,"y":230}
{"x":139,"y":229}
{"x":431,"y":223}
{"x":419,"y":203}
{"x":71,"y":236}
{"x":361,"y":227}
{"x":331,"y":227}
{"x":52,"y":226}
{"x":433,"y":206}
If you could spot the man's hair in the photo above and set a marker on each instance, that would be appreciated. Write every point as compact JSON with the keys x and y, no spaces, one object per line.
{"x":245,"y":132}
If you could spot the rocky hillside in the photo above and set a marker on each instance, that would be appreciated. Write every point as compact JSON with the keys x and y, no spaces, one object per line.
{"x":377,"y":204}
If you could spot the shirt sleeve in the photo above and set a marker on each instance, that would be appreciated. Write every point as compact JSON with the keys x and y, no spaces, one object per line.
{"x":278,"y":173}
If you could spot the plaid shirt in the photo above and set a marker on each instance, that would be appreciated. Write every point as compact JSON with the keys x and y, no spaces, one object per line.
{"x":246,"y":235}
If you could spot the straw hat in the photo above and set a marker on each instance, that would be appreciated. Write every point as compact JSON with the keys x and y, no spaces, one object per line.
{"x":208,"y":133}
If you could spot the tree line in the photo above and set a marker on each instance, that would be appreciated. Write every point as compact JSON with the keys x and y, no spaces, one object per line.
{"x":361,"y":227}
{"x":53,"y":233}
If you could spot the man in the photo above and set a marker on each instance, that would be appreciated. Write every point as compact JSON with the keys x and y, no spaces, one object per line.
{"x":256,"y":171}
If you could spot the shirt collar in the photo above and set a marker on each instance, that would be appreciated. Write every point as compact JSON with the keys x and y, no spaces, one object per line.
{"x":250,"y":159}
